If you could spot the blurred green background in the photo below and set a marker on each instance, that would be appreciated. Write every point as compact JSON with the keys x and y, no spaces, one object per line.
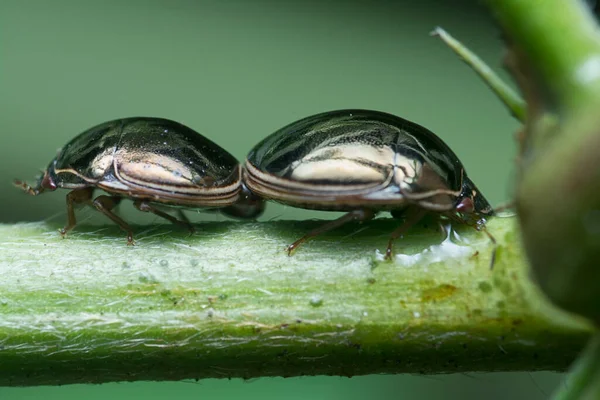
{"x":235,"y":71}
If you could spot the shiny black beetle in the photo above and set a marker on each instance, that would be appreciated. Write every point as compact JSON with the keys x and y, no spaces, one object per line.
{"x":363,"y":162}
{"x":154,"y":161}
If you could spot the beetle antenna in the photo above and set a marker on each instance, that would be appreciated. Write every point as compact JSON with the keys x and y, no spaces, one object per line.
{"x":494,"y":243}
{"x":34,"y":191}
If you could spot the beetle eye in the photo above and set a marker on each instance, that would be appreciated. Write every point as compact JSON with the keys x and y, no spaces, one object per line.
{"x":465,"y":206}
{"x":48,"y":183}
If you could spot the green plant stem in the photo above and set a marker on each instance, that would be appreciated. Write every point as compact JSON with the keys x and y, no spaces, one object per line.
{"x":584,"y":381}
{"x":556,"y":54}
{"x":561,"y":42}
{"x":228,"y":302}
{"x":505,"y":93}
{"x":557,"y":47}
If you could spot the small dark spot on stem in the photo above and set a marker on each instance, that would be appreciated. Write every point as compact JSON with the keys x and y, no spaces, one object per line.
{"x":357,"y":346}
{"x":438,"y":293}
{"x":485,"y":286}
{"x":284,"y":353}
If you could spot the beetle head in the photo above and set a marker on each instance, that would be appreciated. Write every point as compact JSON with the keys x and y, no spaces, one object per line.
{"x":45,"y":182}
{"x":248,"y":206}
{"x":472,"y":204}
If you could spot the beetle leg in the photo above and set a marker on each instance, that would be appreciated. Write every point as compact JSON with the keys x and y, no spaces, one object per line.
{"x":184,"y":218}
{"x":443,"y":229}
{"x":360,"y":215}
{"x":74,"y":197}
{"x":105,"y":204}
{"x":480,"y":226}
{"x":413,"y":215}
{"x":145,"y":207}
